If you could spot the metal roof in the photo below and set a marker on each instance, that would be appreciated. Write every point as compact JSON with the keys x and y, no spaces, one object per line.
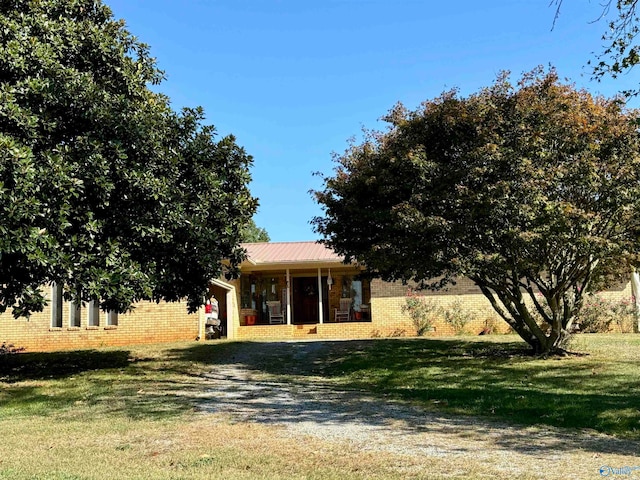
{"x":290,"y":252}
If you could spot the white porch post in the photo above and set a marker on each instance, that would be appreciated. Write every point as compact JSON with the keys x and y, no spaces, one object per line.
{"x":635,"y":289}
{"x":320,"y":309}
{"x":288,"y":298}
{"x":233,"y":319}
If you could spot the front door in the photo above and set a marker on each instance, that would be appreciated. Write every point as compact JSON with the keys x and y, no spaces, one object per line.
{"x":305,"y":299}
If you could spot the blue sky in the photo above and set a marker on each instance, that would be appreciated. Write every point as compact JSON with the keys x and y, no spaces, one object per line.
{"x":293,"y":80}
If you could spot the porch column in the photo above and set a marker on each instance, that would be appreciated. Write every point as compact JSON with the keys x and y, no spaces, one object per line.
{"x":320,"y":309}
{"x":288,"y":298}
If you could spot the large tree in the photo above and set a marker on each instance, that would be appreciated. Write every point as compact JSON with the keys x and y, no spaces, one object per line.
{"x":532,"y":191}
{"x":104,"y":189}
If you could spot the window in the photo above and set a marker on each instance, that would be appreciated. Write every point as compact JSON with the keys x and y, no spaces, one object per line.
{"x":254,"y":291}
{"x":56,"y":306}
{"x":274,"y":291}
{"x":112,"y":318}
{"x":359,"y":290}
{"x":246,"y":289}
{"x":356,"y":290}
{"x":74,"y":315}
{"x":94,"y":314}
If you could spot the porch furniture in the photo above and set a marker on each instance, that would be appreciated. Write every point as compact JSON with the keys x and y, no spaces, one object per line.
{"x":343,"y":314}
{"x":276,"y":315}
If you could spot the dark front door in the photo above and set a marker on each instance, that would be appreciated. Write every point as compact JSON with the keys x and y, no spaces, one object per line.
{"x":305,"y":300}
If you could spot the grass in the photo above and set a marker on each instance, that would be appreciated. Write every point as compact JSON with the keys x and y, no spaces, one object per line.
{"x":500,"y":380}
{"x":132,"y":413}
{"x":194,"y":448}
{"x":492,"y":377}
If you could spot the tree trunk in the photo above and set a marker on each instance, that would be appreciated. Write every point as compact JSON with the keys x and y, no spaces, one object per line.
{"x":552,"y":344}
{"x":510,"y":305}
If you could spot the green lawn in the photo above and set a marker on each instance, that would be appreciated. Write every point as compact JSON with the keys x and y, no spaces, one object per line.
{"x":490,"y":376}
{"x":131,"y":412}
{"x":496,"y":377}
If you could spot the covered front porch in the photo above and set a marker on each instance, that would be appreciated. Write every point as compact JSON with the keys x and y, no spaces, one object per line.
{"x":303,"y":297}
{"x":295,"y":289}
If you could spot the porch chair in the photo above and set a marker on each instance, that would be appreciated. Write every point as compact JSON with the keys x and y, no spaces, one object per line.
{"x":276,"y":315}
{"x":343,"y":314}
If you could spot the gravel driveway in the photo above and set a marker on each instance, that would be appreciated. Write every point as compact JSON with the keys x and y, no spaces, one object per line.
{"x":243,"y":394}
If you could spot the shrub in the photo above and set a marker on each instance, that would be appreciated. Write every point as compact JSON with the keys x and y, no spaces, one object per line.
{"x":9,"y":349}
{"x":458,"y":317}
{"x":598,"y":314}
{"x":490,"y":325}
{"x":398,"y":332}
{"x":7,"y":352}
{"x":625,"y":314}
{"x":423,"y":312}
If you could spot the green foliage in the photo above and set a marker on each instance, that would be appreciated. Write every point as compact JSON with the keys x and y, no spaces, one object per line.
{"x":423,"y":312}
{"x":489,"y":325}
{"x":530,"y":190}
{"x":103,"y":187}
{"x":251,"y":233}
{"x":458,"y":317}
{"x":600,"y":315}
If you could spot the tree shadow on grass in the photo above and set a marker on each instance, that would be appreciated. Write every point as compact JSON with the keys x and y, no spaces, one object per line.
{"x":38,"y":366}
{"x":91,"y":383}
{"x":461,"y":388}
{"x":458,"y":385}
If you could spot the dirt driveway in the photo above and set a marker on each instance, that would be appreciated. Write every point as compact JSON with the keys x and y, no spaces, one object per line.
{"x":239,"y":391}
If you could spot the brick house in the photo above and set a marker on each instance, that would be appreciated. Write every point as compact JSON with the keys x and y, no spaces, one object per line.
{"x":315,"y":294}
{"x":62,"y":326}
{"x":311,"y":283}
{"x":289,"y":290}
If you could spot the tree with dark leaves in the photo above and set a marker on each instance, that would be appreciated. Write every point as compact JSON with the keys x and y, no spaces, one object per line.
{"x":104,"y":189}
{"x":532,"y":191}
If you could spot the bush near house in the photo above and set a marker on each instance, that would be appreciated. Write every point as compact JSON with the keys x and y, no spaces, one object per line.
{"x":458,"y":317}
{"x":423,"y":312}
{"x":601,"y":315}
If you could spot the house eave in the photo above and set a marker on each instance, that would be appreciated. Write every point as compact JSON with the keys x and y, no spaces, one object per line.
{"x":297,"y":265}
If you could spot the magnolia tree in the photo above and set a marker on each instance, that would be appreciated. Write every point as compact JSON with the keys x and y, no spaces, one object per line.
{"x":530,"y":190}
{"x":104,"y":189}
